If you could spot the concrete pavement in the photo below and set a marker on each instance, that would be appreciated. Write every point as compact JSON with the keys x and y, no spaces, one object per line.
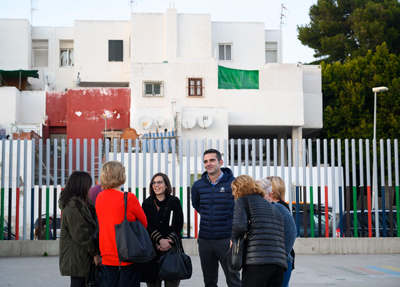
{"x":311,"y":270}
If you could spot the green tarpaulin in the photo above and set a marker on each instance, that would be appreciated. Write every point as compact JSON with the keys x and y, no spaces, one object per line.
{"x":237,"y":79}
{"x":19,"y":73}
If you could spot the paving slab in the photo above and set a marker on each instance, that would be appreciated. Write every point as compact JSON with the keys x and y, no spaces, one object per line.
{"x":311,"y":270}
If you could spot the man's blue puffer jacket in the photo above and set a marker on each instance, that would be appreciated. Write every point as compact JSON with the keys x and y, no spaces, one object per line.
{"x":215,"y":205}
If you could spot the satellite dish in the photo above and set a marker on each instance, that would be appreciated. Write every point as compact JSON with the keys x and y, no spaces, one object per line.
{"x":49,"y":77}
{"x":145,"y":122}
{"x":159,"y":121}
{"x":205,"y":121}
{"x":188,"y":122}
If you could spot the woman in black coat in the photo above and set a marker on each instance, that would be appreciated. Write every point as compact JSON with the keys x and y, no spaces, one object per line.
{"x":164,"y":225}
{"x":265,"y":255}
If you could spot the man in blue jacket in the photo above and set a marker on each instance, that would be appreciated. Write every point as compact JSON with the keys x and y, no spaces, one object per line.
{"x":213,"y":200}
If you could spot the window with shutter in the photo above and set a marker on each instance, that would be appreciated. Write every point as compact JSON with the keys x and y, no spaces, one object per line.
{"x":195,"y":87}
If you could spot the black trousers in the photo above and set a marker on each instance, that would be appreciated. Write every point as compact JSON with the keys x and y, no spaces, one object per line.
{"x":211,"y":252}
{"x":266,"y":275}
{"x":128,"y":276}
{"x":78,"y":281}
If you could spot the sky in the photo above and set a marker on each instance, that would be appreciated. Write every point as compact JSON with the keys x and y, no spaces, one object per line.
{"x":63,"y":13}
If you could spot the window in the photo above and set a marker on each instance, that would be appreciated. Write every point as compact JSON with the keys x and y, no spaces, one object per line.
{"x":153,"y":89}
{"x":115,"y":51}
{"x":59,"y":138}
{"x":195,"y":87}
{"x":66,"y":53}
{"x":40,"y":56}
{"x":225,"y":52}
{"x":271,"y":54}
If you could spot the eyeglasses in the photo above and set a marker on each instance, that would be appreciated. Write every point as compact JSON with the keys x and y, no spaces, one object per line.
{"x":157,"y":182}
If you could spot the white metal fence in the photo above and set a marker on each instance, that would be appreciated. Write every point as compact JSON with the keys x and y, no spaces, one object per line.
{"x":325,"y":180}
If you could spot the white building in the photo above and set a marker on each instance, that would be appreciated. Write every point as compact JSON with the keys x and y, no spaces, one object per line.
{"x":170,"y":61}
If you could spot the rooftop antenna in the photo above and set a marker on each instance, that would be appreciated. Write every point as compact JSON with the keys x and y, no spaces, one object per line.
{"x":33,"y":8}
{"x":283,"y":16}
{"x":132,"y":3}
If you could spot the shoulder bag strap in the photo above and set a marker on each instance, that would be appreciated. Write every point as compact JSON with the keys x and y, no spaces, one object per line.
{"x":125,"y":201}
{"x":247,"y":208}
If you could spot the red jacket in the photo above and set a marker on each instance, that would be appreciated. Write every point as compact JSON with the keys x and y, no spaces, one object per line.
{"x":110,"y":211}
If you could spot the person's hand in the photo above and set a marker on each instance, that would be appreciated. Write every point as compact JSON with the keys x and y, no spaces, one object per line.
{"x":231,"y":244}
{"x":97,"y":260}
{"x":164,"y":245}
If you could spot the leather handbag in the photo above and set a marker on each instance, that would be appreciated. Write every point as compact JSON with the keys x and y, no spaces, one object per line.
{"x":175,"y":265}
{"x":97,"y":276}
{"x":236,"y":253}
{"x":133,"y":241}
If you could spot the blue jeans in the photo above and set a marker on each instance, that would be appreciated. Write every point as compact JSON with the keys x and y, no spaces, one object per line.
{"x":286,"y":276}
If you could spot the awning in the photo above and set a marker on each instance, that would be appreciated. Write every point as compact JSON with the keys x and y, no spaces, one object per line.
{"x":19,"y":73}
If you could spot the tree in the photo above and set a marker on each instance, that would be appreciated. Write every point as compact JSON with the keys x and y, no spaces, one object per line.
{"x":349,"y":100}
{"x":350,"y":28}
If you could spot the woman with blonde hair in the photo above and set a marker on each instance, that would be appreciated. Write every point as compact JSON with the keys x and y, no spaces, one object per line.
{"x":110,"y":208}
{"x":278,"y":190}
{"x":274,"y":188}
{"x":265,"y":257}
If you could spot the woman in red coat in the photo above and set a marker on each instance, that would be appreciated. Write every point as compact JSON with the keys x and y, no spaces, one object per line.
{"x":110,"y":211}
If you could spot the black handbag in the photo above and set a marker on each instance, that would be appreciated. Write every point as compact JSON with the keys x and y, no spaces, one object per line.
{"x":175,"y":265}
{"x":97,"y":276}
{"x":236,"y":253}
{"x":133,"y":241}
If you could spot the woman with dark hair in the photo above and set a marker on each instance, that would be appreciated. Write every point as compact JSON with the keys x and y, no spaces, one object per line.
{"x":78,"y":248}
{"x":110,"y":208}
{"x":43,"y":232}
{"x":165,"y":222}
{"x":264,"y":261}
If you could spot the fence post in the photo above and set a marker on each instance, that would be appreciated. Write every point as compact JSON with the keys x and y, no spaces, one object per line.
{"x":3,"y":176}
{"x":297,"y":187}
{"x":354,"y":172}
{"x":24,"y":223}
{"x":375,"y":188}
{"x":55,"y":191}
{"x":383,"y":195}
{"x":326,"y":191}
{"x":389,"y":159}
{"x":361,"y":158}
{"x":17,"y":190}
{"x":333,"y":185}
{"x":347,"y":190}
{"x":369,"y":199}
{"x":310,"y":169}
{"x":319,"y":187}
{"x":340,"y":185}
{"x":396,"y":174}
{"x":33,"y":171}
